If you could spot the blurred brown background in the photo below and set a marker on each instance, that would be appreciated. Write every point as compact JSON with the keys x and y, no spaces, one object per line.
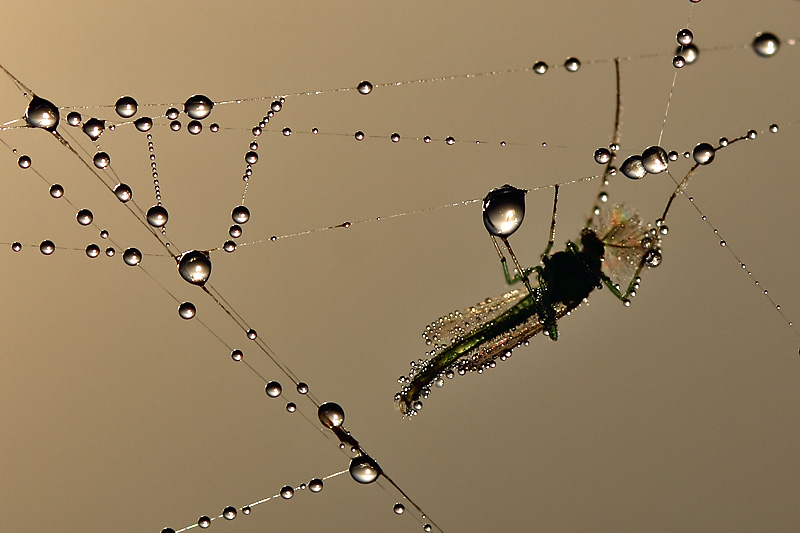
{"x":676,"y":414}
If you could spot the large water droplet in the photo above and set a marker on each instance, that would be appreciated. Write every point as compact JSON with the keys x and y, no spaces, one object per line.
{"x":101,"y":160}
{"x":504,"y":210}
{"x":655,"y":160}
{"x":92,"y":251}
{"x":143,"y":124}
{"x":132,"y":256}
{"x":85,"y":217}
{"x":703,"y":153}
{"x":287,"y":492}
{"x":331,"y":415}
{"x":766,"y":44}
{"x":187,"y":310}
{"x":47,"y":247}
{"x":56,"y":190}
{"x":123,"y":192}
{"x":689,"y":53}
{"x":365,"y":87}
{"x":204,"y":522}
{"x":157,"y":216}
{"x":198,"y":106}
{"x":273,"y":389}
{"x":633,"y":168}
{"x":364,"y":469}
{"x":126,"y":107}
{"x":195,"y":267}
{"x":229,"y":513}
{"x":42,"y":114}
{"x":652,"y":258}
{"x":240,"y":214}
{"x":94,"y":127}
{"x":251,"y":158}
{"x":315,"y":485}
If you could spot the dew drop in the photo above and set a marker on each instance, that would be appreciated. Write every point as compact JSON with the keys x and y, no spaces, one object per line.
{"x":16,"y":246}
{"x":101,"y":160}
{"x":766,"y":44}
{"x":572,"y":64}
{"x":602,"y":156}
{"x":240,"y":214}
{"x":364,"y":469}
{"x":252,"y":334}
{"x":291,"y":407}
{"x":94,"y":127}
{"x":315,"y":485}
{"x":331,"y":415}
{"x":276,"y":106}
{"x":132,"y":256}
{"x":187,"y":310}
{"x":195,"y":267}
{"x":194,"y":127}
{"x":286,"y":132}
{"x":426,"y":139}
{"x":703,"y":153}
{"x":24,"y":161}
{"x":198,"y":106}
{"x":123,"y":192}
{"x":235,"y":231}
{"x":143,"y":123}
{"x":504,"y":210}
{"x":229,"y":513}
{"x":251,"y":158}
{"x":287,"y":492}
{"x":652,"y":258}
{"x":56,"y":190}
{"x":204,"y":522}
{"x":679,"y":61}
{"x":450,"y":140}
{"x":74,"y":118}
{"x":426,"y":527}
{"x":773,"y":128}
{"x":214,"y":127}
{"x":399,"y":508}
{"x":47,"y":247}
{"x":273,"y":389}
{"x":175,"y":125}
{"x":104,"y":234}
{"x":229,"y":246}
{"x":359,"y":135}
{"x":654,"y":159}
{"x":633,"y":168}
{"x":92,"y":251}
{"x":540,"y":67}
{"x":84,"y":217}
{"x":237,"y":355}
{"x":157,"y":216}
{"x":302,"y":388}
{"x":685,"y":36}
{"x":41,"y":113}
{"x":167,"y":530}
{"x":689,"y":53}
{"x":365,"y":87}
{"x":246,"y":509}
{"x":126,"y":107}
{"x":395,"y":137}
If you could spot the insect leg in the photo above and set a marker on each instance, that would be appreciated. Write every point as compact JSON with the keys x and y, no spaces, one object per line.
{"x":519,"y":276}
{"x":552,"y":225}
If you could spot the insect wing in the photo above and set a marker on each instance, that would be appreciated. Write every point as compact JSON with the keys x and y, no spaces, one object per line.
{"x":622,"y":233}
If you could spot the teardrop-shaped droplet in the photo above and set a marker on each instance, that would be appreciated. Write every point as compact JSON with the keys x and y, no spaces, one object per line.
{"x":41,"y":113}
{"x":198,"y":106}
{"x":101,"y":160}
{"x":85,"y":217}
{"x":94,"y":127}
{"x":273,"y":389}
{"x":331,"y":415}
{"x":126,"y":107}
{"x":315,"y":485}
{"x":132,"y":256}
{"x":195,"y":267}
{"x":187,"y":310}
{"x":157,"y":216}
{"x":766,"y":44}
{"x":143,"y":123}
{"x":364,"y":469}
{"x":47,"y":247}
{"x":56,"y":190}
{"x":703,"y":153}
{"x":240,"y":214}
{"x":504,"y":210}
{"x":654,"y":159}
{"x":633,"y":167}
{"x":365,"y":87}
{"x":123,"y":192}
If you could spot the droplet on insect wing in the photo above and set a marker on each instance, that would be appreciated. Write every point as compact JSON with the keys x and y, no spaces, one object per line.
{"x":229,"y":513}
{"x":654,"y":159}
{"x":195,"y":267}
{"x":540,"y":67}
{"x":572,"y":64}
{"x":766,"y":44}
{"x":365,"y":87}
{"x":331,"y":415}
{"x":504,"y":210}
{"x":41,"y":113}
{"x":126,"y":107}
{"x":703,"y":153}
{"x":187,"y":310}
{"x":633,"y":168}
{"x":94,"y":128}
{"x":132,"y":256}
{"x":240,"y":214}
{"x":198,"y":106}
{"x":287,"y":492}
{"x":364,"y":469}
